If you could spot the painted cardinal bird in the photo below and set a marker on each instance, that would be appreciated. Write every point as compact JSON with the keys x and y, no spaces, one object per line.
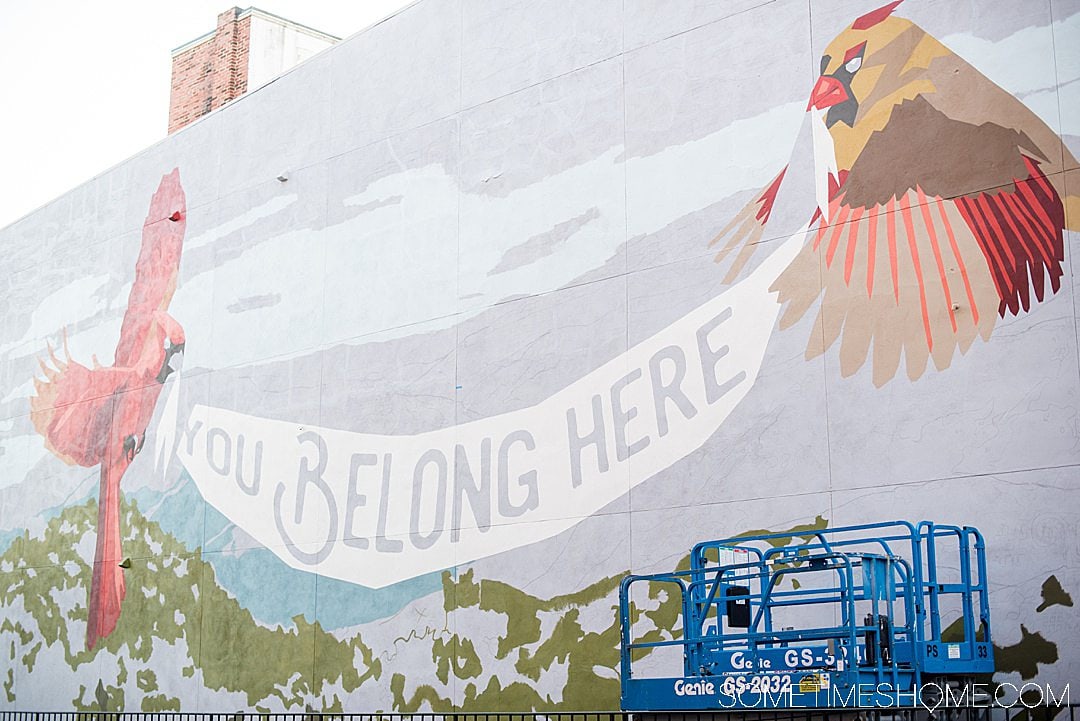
{"x":940,"y":203}
{"x":98,"y":416}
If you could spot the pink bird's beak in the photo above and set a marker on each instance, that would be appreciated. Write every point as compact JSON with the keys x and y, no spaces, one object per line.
{"x":828,"y":92}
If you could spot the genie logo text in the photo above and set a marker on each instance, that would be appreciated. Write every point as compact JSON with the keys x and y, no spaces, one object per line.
{"x":694,"y":688}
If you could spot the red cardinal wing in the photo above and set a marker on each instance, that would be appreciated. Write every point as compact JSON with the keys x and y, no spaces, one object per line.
{"x":72,"y":407}
{"x":746,"y":228}
{"x":1019,"y":228}
{"x":923,"y":249}
{"x":907,"y":277}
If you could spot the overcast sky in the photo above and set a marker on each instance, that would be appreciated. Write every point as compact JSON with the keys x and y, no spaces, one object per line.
{"x":85,"y":85}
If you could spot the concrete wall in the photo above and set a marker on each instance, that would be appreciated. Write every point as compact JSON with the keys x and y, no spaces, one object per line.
{"x":495,"y":343}
{"x":277,"y":45}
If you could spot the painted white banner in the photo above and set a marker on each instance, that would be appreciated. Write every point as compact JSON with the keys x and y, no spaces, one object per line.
{"x":377,"y":509}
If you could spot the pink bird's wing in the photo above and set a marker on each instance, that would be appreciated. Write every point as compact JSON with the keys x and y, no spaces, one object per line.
{"x":907,"y":277}
{"x":72,"y":408}
{"x":747,"y":228}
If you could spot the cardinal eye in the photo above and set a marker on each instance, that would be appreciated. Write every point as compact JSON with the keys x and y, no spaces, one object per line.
{"x":853,"y":57}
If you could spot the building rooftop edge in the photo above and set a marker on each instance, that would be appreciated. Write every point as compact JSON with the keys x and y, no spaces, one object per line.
{"x":254,"y":11}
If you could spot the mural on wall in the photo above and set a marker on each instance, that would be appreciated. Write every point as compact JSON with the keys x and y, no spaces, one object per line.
{"x":945,"y":266}
{"x":939,"y":203}
{"x":98,"y":416}
{"x":446,"y":385}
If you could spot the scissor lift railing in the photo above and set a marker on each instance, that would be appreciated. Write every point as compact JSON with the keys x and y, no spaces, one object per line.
{"x":883,"y":588}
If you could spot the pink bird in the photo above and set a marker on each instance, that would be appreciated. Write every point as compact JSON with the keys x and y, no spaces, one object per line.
{"x":98,"y":416}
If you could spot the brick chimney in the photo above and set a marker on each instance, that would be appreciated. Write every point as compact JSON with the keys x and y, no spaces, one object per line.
{"x":247,"y":49}
{"x":210,"y":70}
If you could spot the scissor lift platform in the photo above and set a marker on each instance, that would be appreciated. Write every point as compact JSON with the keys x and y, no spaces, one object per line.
{"x":834,"y":618}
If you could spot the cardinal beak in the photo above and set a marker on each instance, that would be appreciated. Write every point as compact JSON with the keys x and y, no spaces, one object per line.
{"x":828,"y":92}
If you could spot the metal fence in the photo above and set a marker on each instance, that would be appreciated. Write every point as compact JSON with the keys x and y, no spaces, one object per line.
{"x":1065,"y":712}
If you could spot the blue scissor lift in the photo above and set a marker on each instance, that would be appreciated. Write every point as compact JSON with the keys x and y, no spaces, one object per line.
{"x":839,"y":617}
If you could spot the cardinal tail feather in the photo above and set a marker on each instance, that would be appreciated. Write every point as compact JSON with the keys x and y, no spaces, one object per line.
{"x":107,"y":585}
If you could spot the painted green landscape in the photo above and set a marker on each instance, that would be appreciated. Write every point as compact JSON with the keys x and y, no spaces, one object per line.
{"x":181,"y":634}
